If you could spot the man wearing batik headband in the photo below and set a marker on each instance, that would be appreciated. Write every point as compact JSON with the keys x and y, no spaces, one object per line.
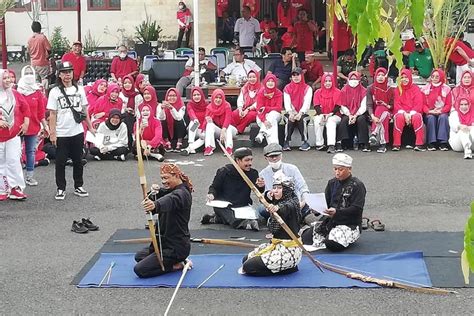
{"x":282,"y":255}
{"x":345,"y":196}
{"x":172,"y":202}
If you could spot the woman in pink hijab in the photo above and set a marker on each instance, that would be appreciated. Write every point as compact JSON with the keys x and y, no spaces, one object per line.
{"x":461,"y":123}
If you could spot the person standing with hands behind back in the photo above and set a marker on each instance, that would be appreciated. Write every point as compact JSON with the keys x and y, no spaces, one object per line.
{"x":67,"y":104}
{"x":185,"y":22}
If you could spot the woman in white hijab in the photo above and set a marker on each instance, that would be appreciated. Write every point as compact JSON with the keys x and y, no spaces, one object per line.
{"x":36,"y":100}
{"x":14,"y":121}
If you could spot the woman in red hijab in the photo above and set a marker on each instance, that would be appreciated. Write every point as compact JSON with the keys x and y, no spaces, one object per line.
{"x":196,"y":112}
{"x":354,"y":120}
{"x":99,"y":88}
{"x":326,"y":103}
{"x":464,"y":89}
{"x":407,"y":109}
{"x":461,"y":122}
{"x":150,"y":133}
{"x":246,"y":112}
{"x":172,"y":119}
{"x":185,"y":23}
{"x":269,"y":106}
{"x":149,"y":98}
{"x":379,"y":107}
{"x":217,"y":124}
{"x":140,"y":83}
{"x":297,"y":100}
{"x":131,"y":99}
{"x":437,"y":106}
{"x":100,"y":110}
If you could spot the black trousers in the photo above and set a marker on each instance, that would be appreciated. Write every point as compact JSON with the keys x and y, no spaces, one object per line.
{"x":147,"y":263}
{"x":301,"y":125}
{"x":69,"y":147}
{"x":94,"y":151}
{"x":179,"y":129}
{"x":129,"y":120}
{"x":359,"y":128}
{"x":180,"y":37}
{"x":226,"y":216}
{"x":255,"y":266}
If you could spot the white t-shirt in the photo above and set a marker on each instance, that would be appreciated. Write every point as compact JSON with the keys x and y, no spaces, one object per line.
{"x":246,"y":30}
{"x":66,"y":126}
{"x":241,"y":69}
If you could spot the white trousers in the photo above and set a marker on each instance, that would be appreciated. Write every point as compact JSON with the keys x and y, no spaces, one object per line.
{"x":331,"y":125}
{"x":462,"y":141}
{"x":11,"y":172}
{"x":460,"y":70}
{"x":213,"y":132}
{"x":195,"y":138}
{"x":271,"y":134}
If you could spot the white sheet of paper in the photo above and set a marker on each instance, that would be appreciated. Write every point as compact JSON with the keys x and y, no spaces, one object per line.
{"x":218,"y":203}
{"x":317,"y":201}
{"x":97,"y":140}
{"x":244,"y":212}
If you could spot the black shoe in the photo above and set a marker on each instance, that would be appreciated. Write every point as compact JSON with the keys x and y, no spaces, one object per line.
{"x":366,"y":148}
{"x":431,"y":147}
{"x":382,"y":148}
{"x":396,"y":148}
{"x":443,"y":147}
{"x":331,"y":149}
{"x":79,"y":227}
{"x":419,"y":148}
{"x":69,"y":162}
{"x":320,"y":148}
{"x":89,"y":225}
{"x":83,"y":161}
{"x":339,"y":148}
{"x":208,"y":219}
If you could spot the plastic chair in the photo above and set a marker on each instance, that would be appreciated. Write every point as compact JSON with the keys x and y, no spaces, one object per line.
{"x":169,"y":54}
{"x":222,"y":57}
{"x":190,"y":54}
{"x":182,"y":50}
{"x":132,"y":54}
{"x":148,"y":61}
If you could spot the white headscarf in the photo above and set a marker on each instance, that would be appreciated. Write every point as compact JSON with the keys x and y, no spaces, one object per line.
{"x":7,"y":101}
{"x":27,"y":84}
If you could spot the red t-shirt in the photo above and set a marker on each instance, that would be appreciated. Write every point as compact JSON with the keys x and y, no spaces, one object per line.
{"x":78,"y":63}
{"x":38,"y":47}
{"x":344,"y":36}
{"x":222,"y":6}
{"x":313,"y":71}
{"x":455,"y":57}
{"x":304,"y":36}
{"x":121,"y":68}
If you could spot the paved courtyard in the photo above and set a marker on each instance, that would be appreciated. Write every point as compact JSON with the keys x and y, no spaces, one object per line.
{"x":408,"y":191}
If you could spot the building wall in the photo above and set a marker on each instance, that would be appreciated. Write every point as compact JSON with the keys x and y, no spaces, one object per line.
{"x":131,"y":14}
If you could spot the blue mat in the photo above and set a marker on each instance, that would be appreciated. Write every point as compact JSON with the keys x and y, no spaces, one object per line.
{"x":407,"y":266}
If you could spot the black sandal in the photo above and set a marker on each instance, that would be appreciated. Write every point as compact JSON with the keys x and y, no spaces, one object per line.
{"x":377,"y":225}
{"x":365,"y":223}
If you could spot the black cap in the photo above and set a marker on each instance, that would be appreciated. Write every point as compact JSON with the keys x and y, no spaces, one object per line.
{"x":64,"y":66}
{"x":242,"y":152}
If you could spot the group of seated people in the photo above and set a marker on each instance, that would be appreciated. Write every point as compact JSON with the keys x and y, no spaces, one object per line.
{"x":439,"y":116}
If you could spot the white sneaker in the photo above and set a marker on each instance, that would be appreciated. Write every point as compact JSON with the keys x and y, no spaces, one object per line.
{"x":31,"y":182}
{"x":467,"y":154}
{"x":259,"y":138}
{"x":60,"y":195}
{"x":97,"y":158}
{"x":79,"y":191}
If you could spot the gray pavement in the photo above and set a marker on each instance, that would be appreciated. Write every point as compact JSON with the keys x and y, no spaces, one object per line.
{"x":408,"y":191}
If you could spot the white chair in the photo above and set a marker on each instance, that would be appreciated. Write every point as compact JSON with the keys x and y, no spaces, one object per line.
{"x":148,"y":62}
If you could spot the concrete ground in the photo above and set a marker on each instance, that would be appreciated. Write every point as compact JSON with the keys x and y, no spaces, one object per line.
{"x":408,"y":191}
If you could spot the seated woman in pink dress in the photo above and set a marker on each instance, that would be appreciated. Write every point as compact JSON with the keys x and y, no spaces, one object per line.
{"x":171,"y":114}
{"x":99,"y":112}
{"x":150,"y":133}
{"x":246,"y":111}
{"x":196,"y":109}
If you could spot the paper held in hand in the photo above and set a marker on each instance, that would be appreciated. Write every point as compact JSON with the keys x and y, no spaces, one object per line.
{"x":245,"y":212}
{"x":97,"y":140}
{"x":317,"y":202}
{"x":218,"y":203}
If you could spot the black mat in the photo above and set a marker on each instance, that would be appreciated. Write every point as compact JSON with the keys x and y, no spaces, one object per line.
{"x":441,"y":250}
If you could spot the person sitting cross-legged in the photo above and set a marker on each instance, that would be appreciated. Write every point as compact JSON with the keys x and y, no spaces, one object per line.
{"x":115,"y":139}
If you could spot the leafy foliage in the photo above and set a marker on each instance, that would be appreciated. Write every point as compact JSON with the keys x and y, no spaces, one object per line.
{"x":467,"y":258}
{"x":148,"y":30}
{"x":59,"y":43}
{"x":91,"y":42}
{"x":6,"y":5}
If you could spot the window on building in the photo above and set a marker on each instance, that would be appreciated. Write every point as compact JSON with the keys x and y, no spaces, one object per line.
{"x":59,"y":5}
{"x":102,"y":5}
{"x":20,"y":7}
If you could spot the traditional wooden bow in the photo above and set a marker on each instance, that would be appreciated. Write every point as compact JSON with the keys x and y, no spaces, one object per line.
{"x":401,"y":284}
{"x":142,"y":176}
